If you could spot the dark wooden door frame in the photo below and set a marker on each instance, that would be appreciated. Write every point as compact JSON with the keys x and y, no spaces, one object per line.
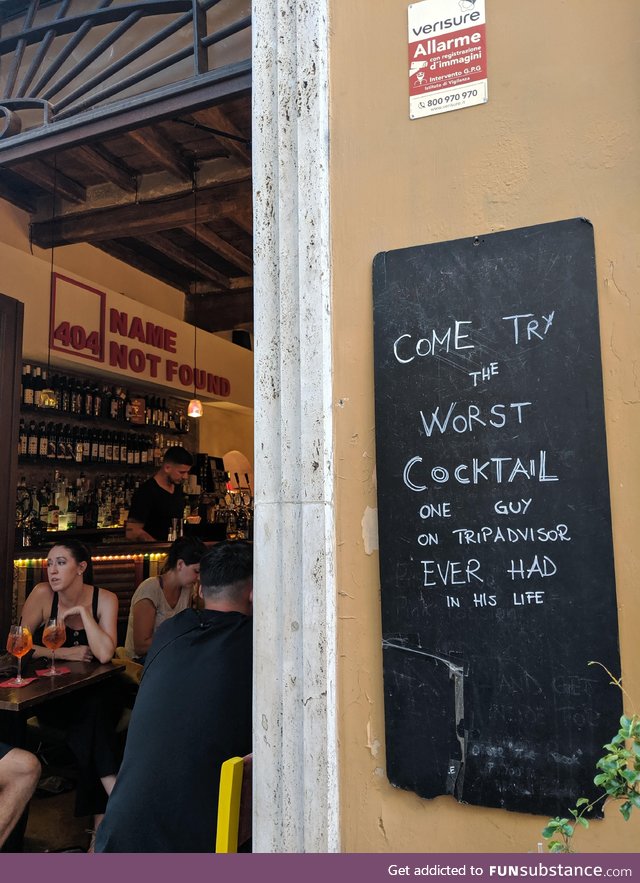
{"x":11,"y":320}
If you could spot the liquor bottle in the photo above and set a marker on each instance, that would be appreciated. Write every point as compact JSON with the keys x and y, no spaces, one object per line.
{"x":53,"y":516}
{"x":71,"y":510}
{"x":114,"y":412}
{"x":101,"y":447}
{"x":43,"y":500}
{"x":69,"y":452}
{"x":80,"y":508}
{"x":91,"y":510}
{"x":108,"y":447}
{"x":65,"y":395}
{"x":97,"y":400}
{"x":124,"y":447}
{"x":76,"y":396}
{"x":77,"y":444}
{"x":62,"y":502}
{"x":86,"y":444}
{"x":87,"y":399}
{"x":52,"y":440}
{"x":116,"y":447}
{"x":38,"y":385}
{"x":44,"y":375}
{"x":32,"y":440}
{"x":107,"y":396}
{"x":22,"y":439}
{"x":42,"y":441}
{"x":147,"y":410}
{"x":61,"y":447}
{"x":94,"y":446}
{"x":27,"y":386}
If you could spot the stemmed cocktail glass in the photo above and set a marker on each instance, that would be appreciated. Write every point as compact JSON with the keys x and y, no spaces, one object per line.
{"x":53,"y":637}
{"x":19,"y":643}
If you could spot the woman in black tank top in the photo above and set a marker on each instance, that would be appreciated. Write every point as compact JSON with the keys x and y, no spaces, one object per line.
{"x":90,"y":614}
{"x":88,"y":717}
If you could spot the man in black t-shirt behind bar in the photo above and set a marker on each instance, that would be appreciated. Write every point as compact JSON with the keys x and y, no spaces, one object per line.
{"x":160,"y":499}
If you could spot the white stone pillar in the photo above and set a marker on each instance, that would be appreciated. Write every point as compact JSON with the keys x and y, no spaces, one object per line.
{"x":295,"y":741}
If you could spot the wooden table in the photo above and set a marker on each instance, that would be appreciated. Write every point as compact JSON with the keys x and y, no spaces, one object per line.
{"x":19,"y":703}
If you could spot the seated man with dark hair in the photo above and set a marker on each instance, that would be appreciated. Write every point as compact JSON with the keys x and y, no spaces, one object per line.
{"x":160,"y":499}
{"x":19,"y":775}
{"x":192,"y":712}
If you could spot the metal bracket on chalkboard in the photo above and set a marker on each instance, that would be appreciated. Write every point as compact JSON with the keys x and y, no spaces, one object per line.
{"x":455,"y":777}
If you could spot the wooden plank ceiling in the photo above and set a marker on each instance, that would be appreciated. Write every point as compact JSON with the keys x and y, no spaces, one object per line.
{"x":133,"y":196}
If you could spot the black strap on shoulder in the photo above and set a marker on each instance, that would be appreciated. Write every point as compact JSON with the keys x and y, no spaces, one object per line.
{"x":54,"y":606}
{"x":94,"y":602}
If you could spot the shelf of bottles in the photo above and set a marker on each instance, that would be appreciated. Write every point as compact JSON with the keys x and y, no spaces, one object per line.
{"x":57,"y":432}
{"x":113,"y":433}
{"x":66,"y":503}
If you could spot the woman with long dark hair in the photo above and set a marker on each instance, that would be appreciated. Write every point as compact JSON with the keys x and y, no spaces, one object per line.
{"x":158,"y":598}
{"x":87,"y":717}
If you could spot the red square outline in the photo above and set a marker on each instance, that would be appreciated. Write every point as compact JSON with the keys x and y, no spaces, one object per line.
{"x":52,"y":322}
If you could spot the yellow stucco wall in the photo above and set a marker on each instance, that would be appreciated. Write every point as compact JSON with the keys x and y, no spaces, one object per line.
{"x":557,"y":139}
{"x":90,"y":262}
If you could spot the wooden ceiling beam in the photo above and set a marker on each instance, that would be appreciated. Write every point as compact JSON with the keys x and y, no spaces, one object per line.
{"x":227,"y":251}
{"x":44,"y":176}
{"x":235,"y":283}
{"x":12,"y":191}
{"x":113,"y":170}
{"x":138,"y":219}
{"x":121,"y":252}
{"x":175,"y":253}
{"x":242,"y":217}
{"x":163,"y":150}
{"x":215,"y":118}
{"x":219,"y":312}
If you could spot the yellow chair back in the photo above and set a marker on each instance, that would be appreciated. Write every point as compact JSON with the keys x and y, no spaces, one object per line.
{"x":234,"y":804}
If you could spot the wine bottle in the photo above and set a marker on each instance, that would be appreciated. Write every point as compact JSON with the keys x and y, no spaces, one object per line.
{"x":37,"y":385}
{"x":69,"y":452}
{"x":124,"y":447}
{"x":97,"y":400}
{"x":42,"y":441}
{"x":52,"y":440}
{"x":65,"y":395}
{"x":78,"y":446}
{"x":114,"y":412}
{"x":27,"y":387}
{"x":94,"y":446}
{"x":22,"y":439}
{"x":108,"y":448}
{"x":61,"y":448}
{"x":32,"y":440}
{"x":86,"y":445}
{"x":87,"y":399}
{"x":101,"y":447}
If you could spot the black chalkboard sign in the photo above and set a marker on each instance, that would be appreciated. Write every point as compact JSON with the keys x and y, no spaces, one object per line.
{"x":496,"y":556}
